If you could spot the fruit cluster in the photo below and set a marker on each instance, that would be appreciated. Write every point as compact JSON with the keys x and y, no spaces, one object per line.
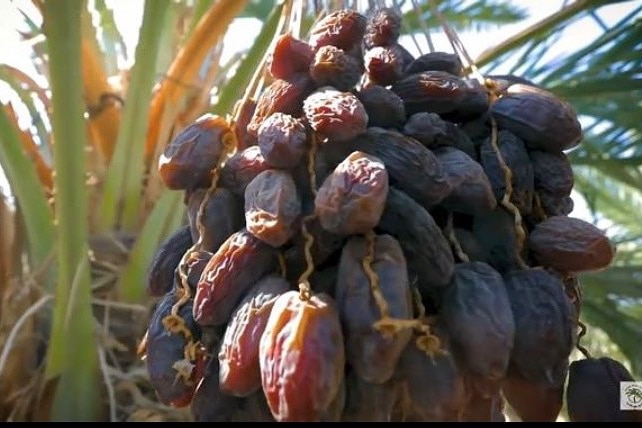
{"x":377,"y":237}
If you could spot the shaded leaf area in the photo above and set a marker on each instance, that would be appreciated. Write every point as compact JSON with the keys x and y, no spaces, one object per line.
{"x":110,"y":38}
{"x":611,"y":198}
{"x":464,"y":14}
{"x":622,"y":328}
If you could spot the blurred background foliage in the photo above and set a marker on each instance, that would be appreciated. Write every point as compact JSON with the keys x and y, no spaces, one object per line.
{"x":81,"y":129}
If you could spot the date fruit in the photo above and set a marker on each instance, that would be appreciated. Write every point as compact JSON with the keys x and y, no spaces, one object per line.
{"x":272,"y":207}
{"x":188,"y":160}
{"x":351,"y":200}
{"x":226,"y":277}
{"x":302,"y":357}
{"x":238,"y":356}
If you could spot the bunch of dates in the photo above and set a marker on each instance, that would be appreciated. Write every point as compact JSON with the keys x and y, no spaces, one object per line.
{"x":377,"y":237}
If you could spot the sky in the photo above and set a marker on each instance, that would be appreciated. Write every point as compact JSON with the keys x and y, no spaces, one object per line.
{"x":128,"y":15}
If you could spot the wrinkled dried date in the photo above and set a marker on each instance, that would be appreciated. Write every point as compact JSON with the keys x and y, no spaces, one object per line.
{"x":188,"y":160}
{"x":384,"y":64}
{"x":226,"y":278}
{"x":496,"y":234}
{"x":513,"y":152}
{"x":241,"y":168}
{"x":283,"y":140}
{"x":593,"y":391}
{"x":272,"y":207}
{"x":553,"y":173}
{"x":335,"y":115}
{"x":434,"y":386}
{"x":282,"y":96}
{"x":351,"y":200}
{"x":411,"y":167}
{"x":334,"y":67}
{"x":383,"y":28}
{"x":436,"y":61}
{"x":471,"y":191}
{"x":302,"y":357}
{"x":238,"y":356}
{"x":341,"y":28}
{"x":384,"y":107}
{"x":432,"y":91}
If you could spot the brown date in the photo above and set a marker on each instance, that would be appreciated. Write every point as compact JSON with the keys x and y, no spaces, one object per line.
{"x":593,"y":391}
{"x":531,"y":401}
{"x":513,"y":152}
{"x":553,"y":173}
{"x":283,"y":96}
{"x":351,"y":200}
{"x":302,"y":357}
{"x":241,"y":168}
{"x":384,"y":107}
{"x":478,"y":317}
{"x":226,"y":278}
{"x":436,"y":61}
{"x":283,"y":140}
{"x":384,"y":64}
{"x":411,"y":167}
{"x":383,"y":27}
{"x":544,"y":329}
{"x":431,"y":91}
{"x":289,"y":56}
{"x":238,"y":356}
{"x":272,"y":207}
{"x":342,"y":28}
{"x":335,"y":115}
{"x":434,"y":386}
{"x":188,"y":160}
{"x":335,"y":67}
{"x":569,"y":244}
{"x":472,"y":192}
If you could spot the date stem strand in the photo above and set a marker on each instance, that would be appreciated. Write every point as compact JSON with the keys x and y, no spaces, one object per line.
{"x":305,"y":290}
{"x":454,"y":242}
{"x":506,"y":203}
{"x":387,"y":325}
